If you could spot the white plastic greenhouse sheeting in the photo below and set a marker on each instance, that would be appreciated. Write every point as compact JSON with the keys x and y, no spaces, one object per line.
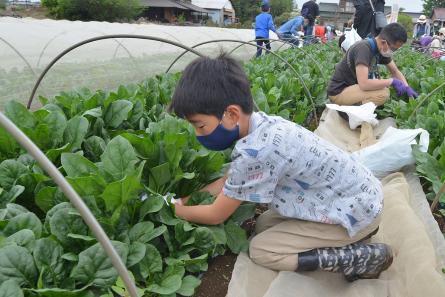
{"x":104,"y":64}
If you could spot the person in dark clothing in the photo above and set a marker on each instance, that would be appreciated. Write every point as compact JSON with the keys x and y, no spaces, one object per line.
{"x":310,"y":11}
{"x":364,"y":20}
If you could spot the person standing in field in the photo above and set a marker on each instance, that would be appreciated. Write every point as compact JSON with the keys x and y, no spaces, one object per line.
{"x":263,"y":24}
{"x":364,"y":20}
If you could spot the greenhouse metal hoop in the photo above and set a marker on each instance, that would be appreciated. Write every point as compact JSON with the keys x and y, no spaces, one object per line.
{"x":218,"y":40}
{"x":20,"y":55}
{"x":120,"y":44}
{"x":284,"y":42}
{"x":112,"y":36}
{"x":253,"y":40}
{"x":308,"y":93}
{"x":310,"y":57}
{"x":74,"y":198}
{"x":426,"y":97}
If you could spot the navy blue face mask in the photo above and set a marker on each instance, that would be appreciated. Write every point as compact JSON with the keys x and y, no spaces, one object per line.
{"x":220,"y":139}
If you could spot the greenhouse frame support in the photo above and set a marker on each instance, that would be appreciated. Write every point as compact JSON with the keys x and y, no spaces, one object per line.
{"x":75,"y":199}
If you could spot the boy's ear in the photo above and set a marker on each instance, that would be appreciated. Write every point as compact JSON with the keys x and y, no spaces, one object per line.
{"x":234,"y":112}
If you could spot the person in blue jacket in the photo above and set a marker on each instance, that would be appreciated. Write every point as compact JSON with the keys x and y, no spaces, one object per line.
{"x":263,"y":23}
{"x":288,"y":30}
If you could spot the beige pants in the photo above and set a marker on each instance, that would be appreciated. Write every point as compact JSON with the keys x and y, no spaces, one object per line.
{"x":280,"y":239}
{"x":353,"y":95}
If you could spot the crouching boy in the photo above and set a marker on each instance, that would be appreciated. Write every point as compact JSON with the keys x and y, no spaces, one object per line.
{"x":322,"y":202}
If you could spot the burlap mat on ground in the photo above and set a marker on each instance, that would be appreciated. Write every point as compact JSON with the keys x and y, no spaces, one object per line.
{"x":407,"y":225}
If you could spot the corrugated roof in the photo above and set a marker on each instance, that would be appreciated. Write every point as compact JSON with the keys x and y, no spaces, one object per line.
{"x":194,"y":7}
{"x":173,"y":3}
{"x":162,"y":3}
{"x":213,"y":4}
{"x":439,"y":13}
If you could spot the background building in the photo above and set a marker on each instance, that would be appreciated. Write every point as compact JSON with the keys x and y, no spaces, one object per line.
{"x":338,"y":14}
{"x":439,"y":15}
{"x":220,"y":12}
{"x":171,"y":11}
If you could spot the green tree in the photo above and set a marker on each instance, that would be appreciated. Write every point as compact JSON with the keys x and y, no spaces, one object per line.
{"x":93,"y":10}
{"x":406,"y":21}
{"x":429,"y":5}
{"x":246,"y":10}
{"x":2,"y":4}
{"x":281,"y":6}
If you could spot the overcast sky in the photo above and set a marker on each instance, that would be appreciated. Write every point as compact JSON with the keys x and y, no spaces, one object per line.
{"x":409,"y":5}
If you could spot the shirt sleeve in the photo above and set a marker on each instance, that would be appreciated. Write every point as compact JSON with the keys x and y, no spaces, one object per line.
{"x":271,"y":25}
{"x":362,"y":54}
{"x":295,"y":26}
{"x":253,"y":175}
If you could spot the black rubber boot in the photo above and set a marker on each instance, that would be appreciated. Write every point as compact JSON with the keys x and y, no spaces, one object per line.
{"x":355,"y":261}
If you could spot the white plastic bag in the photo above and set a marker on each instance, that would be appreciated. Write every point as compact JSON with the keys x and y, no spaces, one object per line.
{"x":393,"y":150}
{"x":351,"y":37}
{"x":357,"y":114}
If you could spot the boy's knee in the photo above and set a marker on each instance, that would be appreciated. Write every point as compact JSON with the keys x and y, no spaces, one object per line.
{"x":257,"y":253}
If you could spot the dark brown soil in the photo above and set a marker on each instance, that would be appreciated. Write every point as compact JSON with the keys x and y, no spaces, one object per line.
{"x":216,"y":280}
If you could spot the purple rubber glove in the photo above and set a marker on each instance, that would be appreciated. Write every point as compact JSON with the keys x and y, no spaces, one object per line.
{"x":399,"y":86}
{"x":411,"y":93}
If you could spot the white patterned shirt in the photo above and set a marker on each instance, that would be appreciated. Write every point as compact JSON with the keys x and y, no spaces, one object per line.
{"x":302,"y":176}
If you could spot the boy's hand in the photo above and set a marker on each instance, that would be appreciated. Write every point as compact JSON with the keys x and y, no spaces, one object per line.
{"x":209,"y":214}
{"x":178,"y":201}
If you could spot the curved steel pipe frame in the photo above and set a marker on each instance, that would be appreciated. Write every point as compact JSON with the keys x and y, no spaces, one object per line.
{"x":94,"y":39}
{"x":74,"y":198}
{"x":284,"y":42}
{"x":424,"y":99}
{"x":253,"y":40}
{"x":119,"y":44}
{"x":20,"y":55}
{"x":306,"y":89}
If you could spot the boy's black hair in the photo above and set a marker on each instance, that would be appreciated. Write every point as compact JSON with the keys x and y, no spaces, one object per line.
{"x":394,"y":33}
{"x":209,"y":85}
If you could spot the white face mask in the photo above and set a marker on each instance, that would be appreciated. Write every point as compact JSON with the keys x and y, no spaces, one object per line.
{"x":388,"y":53}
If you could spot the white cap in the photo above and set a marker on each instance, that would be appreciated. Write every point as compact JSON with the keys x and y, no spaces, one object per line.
{"x":422,"y":19}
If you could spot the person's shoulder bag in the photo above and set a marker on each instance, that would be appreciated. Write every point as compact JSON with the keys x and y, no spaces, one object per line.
{"x":379,"y":16}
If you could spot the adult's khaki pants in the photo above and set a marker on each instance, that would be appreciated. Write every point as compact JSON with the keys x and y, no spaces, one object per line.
{"x":353,"y":95}
{"x":280,"y":239}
